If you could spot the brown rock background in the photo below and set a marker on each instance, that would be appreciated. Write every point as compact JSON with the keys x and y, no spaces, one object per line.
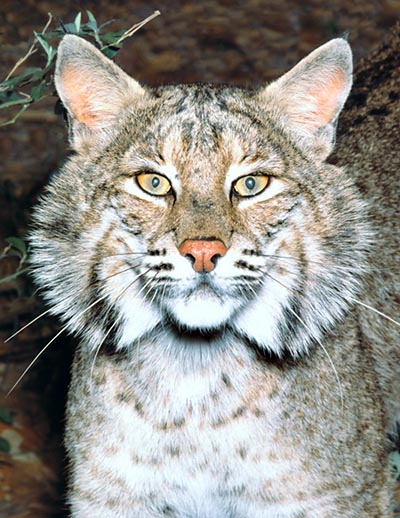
{"x":244,"y":43}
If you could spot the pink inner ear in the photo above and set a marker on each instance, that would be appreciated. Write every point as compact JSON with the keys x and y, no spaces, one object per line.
{"x":326,"y":99}
{"x":79,"y":93}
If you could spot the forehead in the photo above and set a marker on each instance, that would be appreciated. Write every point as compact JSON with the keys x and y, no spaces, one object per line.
{"x":202,"y":121}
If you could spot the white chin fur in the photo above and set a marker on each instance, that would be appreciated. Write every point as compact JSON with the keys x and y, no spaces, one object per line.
{"x":201,"y":312}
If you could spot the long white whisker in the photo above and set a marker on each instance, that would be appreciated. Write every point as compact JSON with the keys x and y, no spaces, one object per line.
{"x":374,"y":310}
{"x":63,"y":329}
{"x":318,"y":341}
{"x":371,"y":308}
{"x":52,"y":340}
{"x":61,"y":303}
{"x":148,"y":282}
{"x":320,"y":262}
{"x":326,"y":353}
{"x":116,"y":321}
{"x":127,"y":253}
{"x":293,"y":290}
{"x":100,"y":345}
{"x":153,"y":297}
{"x":148,"y":291}
{"x":27,"y":325}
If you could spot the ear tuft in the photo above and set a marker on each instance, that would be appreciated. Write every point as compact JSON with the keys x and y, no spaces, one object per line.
{"x":309,"y":98}
{"x":93,"y":89}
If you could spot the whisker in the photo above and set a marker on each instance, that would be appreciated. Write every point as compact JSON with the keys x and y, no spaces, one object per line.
{"x":27,"y":325}
{"x":148,"y":282}
{"x":326,"y":353}
{"x":143,"y":287}
{"x":60,"y":303}
{"x":371,"y":308}
{"x":148,"y":291}
{"x":374,"y":310}
{"x":116,"y":321}
{"x":127,"y":253}
{"x":317,"y":339}
{"x":112,"y":275}
{"x":153,"y":297}
{"x":320,"y":262}
{"x":293,"y":290}
{"x":101,"y":343}
{"x":62,"y":330}
{"x":52,"y":340}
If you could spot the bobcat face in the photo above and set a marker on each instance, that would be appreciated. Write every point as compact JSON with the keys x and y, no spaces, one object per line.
{"x":200,"y":208}
{"x":203,"y":260}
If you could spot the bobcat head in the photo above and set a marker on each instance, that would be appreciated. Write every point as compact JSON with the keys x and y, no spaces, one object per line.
{"x":199,"y":208}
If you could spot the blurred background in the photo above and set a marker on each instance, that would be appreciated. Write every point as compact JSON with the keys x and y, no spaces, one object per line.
{"x":243,"y":43}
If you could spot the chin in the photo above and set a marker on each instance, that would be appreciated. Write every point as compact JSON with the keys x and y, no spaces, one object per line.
{"x":205,"y":313}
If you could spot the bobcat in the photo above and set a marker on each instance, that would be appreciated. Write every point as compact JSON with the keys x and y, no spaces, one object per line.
{"x":223,"y":279}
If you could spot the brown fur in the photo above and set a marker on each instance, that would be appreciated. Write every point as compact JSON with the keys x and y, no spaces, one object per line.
{"x":257,"y":387}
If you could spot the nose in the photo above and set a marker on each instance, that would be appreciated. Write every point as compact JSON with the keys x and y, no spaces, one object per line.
{"x":203,"y":253}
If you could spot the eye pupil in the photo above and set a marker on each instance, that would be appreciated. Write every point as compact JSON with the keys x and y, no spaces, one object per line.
{"x":155,"y":182}
{"x":250,"y":183}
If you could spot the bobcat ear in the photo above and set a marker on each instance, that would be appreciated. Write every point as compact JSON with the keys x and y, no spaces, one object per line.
{"x":309,"y":98}
{"x":93,"y":89}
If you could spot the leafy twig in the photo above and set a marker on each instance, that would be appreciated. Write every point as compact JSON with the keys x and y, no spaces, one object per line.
{"x":38,"y":81}
{"x":130,"y":32}
{"x":31,"y":50}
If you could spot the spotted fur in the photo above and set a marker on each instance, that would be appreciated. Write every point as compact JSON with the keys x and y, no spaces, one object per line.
{"x":245,"y":391}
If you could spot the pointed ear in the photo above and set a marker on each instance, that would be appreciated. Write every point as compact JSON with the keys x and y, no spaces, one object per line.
{"x":309,"y":98}
{"x":93,"y":89}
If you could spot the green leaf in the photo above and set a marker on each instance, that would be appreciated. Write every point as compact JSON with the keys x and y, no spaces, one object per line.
{"x":13,"y":100}
{"x":50,"y":52}
{"x":6,"y":415}
{"x":13,"y":275}
{"x":17,"y":243}
{"x":11,"y":83}
{"x":45,"y":45}
{"x":70,"y":28}
{"x":37,"y":91}
{"x":92,"y":26}
{"x":110,"y":52}
{"x":5,"y":446}
{"x":77,"y":22}
{"x":111,"y":37}
{"x":48,"y":36}
{"x":91,"y":17}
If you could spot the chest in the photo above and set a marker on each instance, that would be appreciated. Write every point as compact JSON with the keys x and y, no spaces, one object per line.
{"x":189,"y":442}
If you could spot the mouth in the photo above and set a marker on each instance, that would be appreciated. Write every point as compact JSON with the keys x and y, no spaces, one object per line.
{"x":202,"y":309}
{"x":195,"y":334}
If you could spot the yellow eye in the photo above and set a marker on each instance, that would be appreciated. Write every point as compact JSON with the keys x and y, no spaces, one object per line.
{"x":251,"y":185}
{"x":153,"y":183}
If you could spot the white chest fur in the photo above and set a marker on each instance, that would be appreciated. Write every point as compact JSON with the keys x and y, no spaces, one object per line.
{"x":193,"y":432}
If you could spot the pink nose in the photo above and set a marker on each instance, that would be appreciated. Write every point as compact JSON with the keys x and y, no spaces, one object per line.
{"x":203,"y":253}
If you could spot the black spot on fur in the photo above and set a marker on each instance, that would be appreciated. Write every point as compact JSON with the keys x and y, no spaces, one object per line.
{"x":379,"y":111}
{"x":226,"y":380}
